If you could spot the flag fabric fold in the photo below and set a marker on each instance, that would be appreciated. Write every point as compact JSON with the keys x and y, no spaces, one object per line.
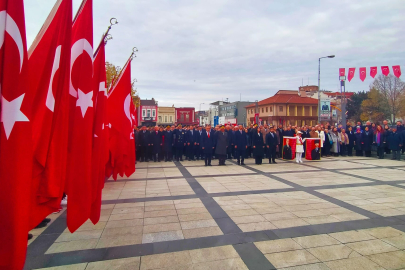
{"x":79,"y":176}
{"x":49,"y":60}
{"x":15,"y":136}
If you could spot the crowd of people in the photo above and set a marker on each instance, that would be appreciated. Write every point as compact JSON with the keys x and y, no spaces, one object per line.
{"x":174,"y":143}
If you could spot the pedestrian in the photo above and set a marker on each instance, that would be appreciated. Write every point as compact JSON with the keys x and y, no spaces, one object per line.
{"x":241,"y":142}
{"x":344,"y":142}
{"x":191,"y":143}
{"x":229,"y":132}
{"x":367,"y":141}
{"x":156,"y":143}
{"x":207,"y":143}
{"x":144,"y":143}
{"x":258,"y":146}
{"x":328,"y":143}
{"x":358,"y":142}
{"x":199,"y":152}
{"x":221,"y":144}
{"x":349,"y":147}
{"x":249,"y":143}
{"x":379,"y":141}
{"x":299,"y":147}
{"x":180,"y":143}
{"x":271,"y":142}
{"x":335,"y":147}
{"x":395,"y":142}
{"x":168,"y":144}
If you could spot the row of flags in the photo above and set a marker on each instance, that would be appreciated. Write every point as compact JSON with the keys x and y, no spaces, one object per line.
{"x":60,"y":132}
{"x":373,"y":72}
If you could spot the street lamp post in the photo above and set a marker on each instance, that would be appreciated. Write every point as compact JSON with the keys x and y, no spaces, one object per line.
{"x":319,"y":85}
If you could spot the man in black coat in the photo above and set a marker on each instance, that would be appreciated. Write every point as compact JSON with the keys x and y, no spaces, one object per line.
{"x":156,"y":142}
{"x":221,"y":145}
{"x":168,"y":144}
{"x":207,"y":142}
{"x":395,"y":143}
{"x":191,"y":143}
{"x":241,"y":143}
{"x":180,"y":143}
{"x":143,"y":143}
{"x":280,"y":135}
{"x":271,"y":142}
{"x":198,"y":149}
{"x":229,"y":132}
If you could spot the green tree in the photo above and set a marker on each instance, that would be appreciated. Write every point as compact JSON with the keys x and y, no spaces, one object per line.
{"x":375,"y":107}
{"x":354,"y":105}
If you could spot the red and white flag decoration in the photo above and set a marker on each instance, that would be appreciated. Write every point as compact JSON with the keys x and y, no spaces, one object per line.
{"x":373,"y":72}
{"x":362,"y":73}
{"x":79,"y":176}
{"x":351,"y":73}
{"x":100,"y":131}
{"x":397,"y":71}
{"x":49,"y":60}
{"x":122,"y":144}
{"x":342,"y":72}
{"x":15,"y":137}
{"x":385,"y":70}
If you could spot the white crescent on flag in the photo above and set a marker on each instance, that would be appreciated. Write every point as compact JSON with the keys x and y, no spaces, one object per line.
{"x":80,"y":46}
{"x":50,"y":99}
{"x":12,"y":29}
{"x":127,"y":104}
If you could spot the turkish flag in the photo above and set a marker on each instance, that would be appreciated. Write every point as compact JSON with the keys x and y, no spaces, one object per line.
{"x":15,"y":137}
{"x":373,"y":72}
{"x":79,"y":173}
{"x":342,"y":72}
{"x":397,"y":71}
{"x":351,"y":73}
{"x":362,"y":73}
{"x":49,"y":62}
{"x":100,"y":136}
{"x":385,"y":70}
{"x":122,"y":145}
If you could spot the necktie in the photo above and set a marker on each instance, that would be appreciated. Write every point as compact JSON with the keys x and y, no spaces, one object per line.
{"x":208,"y":135}
{"x":241,"y":132}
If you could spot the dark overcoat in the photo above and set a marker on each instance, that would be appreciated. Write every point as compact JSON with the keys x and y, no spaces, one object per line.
{"x":258,"y":151}
{"x":207,"y":143}
{"x":367,"y":140}
{"x":168,"y":140}
{"x":221,"y":143}
{"x":394,"y":140}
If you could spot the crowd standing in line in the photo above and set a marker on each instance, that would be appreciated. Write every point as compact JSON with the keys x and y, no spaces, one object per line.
{"x":175,"y":143}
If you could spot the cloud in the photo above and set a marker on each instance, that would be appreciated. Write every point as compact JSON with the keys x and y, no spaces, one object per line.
{"x":193,"y":52}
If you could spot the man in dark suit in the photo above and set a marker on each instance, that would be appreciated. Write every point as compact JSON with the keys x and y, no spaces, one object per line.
{"x":156,"y":142}
{"x":207,"y":143}
{"x":240,"y":144}
{"x":229,"y":132}
{"x":221,"y":145}
{"x":315,"y":153}
{"x":179,"y":143}
{"x":271,"y":142}
{"x":191,"y":142}
{"x":144,"y":143}
{"x":168,"y":144}
{"x":198,"y":149}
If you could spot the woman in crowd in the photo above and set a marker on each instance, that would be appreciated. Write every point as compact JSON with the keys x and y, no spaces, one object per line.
{"x":258,"y":146}
{"x":321,"y":135}
{"x":344,"y":142}
{"x":335,"y":142}
{"x":351,"y":136}
{"x":367,"y":140}
{"x":379,"y":140}
{"x":373,"y":128}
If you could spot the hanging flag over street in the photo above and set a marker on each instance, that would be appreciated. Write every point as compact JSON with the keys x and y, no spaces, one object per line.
{"x":362,"y":73}
{"x":373,"y":72}
{"x":351,"y":73}
{"x":15,"y":137}
{"x":397,"y":71}
{"x":385,"y":70}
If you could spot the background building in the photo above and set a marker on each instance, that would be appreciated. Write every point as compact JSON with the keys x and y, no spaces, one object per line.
{"x":233,"y":113}
{"x":213,"y":112}
{"x":202,"y":117}
{"x":147,"y":113}
{"x":286,"y":107}
{"x":167,"y":115}
{"x":185,"y":116}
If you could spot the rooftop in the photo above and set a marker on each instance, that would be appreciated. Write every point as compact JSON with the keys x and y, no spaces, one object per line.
{"x":286,"y":97}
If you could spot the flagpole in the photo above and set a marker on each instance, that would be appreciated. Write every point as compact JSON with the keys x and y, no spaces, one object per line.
{"x":106,"y":36}
{"x":133,"y":55}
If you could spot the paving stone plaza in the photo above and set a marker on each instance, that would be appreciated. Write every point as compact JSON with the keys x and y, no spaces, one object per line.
{"x":337,"y":213}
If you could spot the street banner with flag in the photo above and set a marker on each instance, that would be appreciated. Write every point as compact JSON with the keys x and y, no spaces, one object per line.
{"x":122,"y":144}
{"x":15,"y":137}
{"x":385,"y":70}
{"x":79,"y":176}
{"x":100,"y":136}
{"x":49,"y":70}
{"x":362,"y":73}
{"x":351,"y":73}
{"x":373,"y":72}
{"x":397,"y":71}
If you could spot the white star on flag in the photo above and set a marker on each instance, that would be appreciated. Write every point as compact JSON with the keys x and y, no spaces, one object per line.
{"x":102,"y":88}
{"x":84,"y":101}
{"x":11,"y":113}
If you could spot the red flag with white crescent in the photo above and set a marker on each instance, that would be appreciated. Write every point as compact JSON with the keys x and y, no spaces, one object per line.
{"x":122,"y":145}
{"x":49,"y":60}
{"x":373,"y":72}
{"x":385,"y":70}
{"x":79,"y":180}
{"x":15,"y":137}
{"x":342,"y":72}
{"x":351,"y":73}
{"x":397,"y":71}
{"x":100,"y":139}
{"x":362,"y":73}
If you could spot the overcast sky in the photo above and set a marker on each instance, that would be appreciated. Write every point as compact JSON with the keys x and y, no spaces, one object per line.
{"x":193,"y":52}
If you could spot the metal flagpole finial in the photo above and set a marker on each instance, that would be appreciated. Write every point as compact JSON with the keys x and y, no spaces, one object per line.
{"x":113,"y":21}
{"x":107,"y":38}
{"x":134,"y":50}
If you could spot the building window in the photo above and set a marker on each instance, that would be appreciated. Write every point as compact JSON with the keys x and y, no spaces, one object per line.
{"x":267,"y":109}
{"x":143,"y":113}
{"x":280,"y":109}
{"x":160,"y":119}
{"x":187,"y":118}
{"x":171,"y":119}
{"x":148,"y":113}
{"x":262,"y":110}
{"x":271,"y":109}
{"x":165,"y":118}
{"x":153,"y":113}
